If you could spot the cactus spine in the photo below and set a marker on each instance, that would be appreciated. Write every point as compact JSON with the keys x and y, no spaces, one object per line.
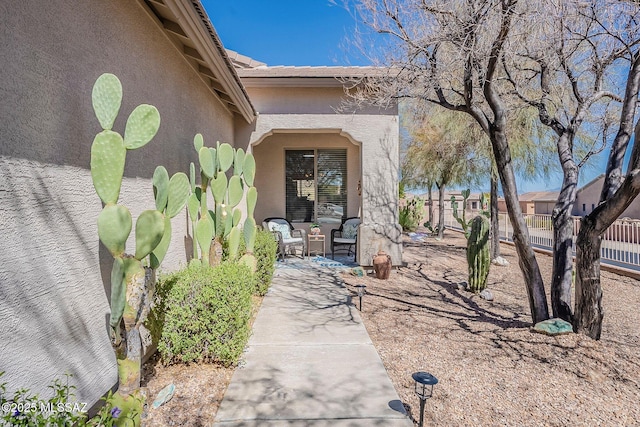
{"x":222,"y":223}
{"x":132,"y":285}
{"x":478,"y":254}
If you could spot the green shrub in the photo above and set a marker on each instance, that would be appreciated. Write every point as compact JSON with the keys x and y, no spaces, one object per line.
{"x":410,"y":214}
{"x":265,"y":251}
{"x":206,"y":313}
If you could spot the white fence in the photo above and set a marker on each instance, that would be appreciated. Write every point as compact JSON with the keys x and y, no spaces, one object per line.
{"x":620,"y":243}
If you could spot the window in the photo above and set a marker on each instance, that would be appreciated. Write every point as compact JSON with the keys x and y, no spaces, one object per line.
{"x":584,"y":207}
{"x":316,"y":185}
{"x":474,"y":205}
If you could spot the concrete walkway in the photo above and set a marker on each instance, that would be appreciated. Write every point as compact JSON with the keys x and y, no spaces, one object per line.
{"x":310,"y":361}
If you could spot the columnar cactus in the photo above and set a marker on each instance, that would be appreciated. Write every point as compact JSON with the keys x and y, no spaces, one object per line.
{"x":478,"y":256}
{"x":222,"y":223}
{"x":132,"y":276}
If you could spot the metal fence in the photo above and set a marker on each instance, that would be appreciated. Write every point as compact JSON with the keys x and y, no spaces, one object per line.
{"x":620,"y":243}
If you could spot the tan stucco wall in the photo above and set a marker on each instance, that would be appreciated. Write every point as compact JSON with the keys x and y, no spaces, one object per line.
{"x":312,"y":110}
{"x":270,"y":172}
{"x":590,"y":195}
{"x":54,"y":275}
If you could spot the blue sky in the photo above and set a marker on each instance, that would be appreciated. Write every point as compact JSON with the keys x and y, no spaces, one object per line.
{"x":310,"y":32}
{"x":285,"y":32}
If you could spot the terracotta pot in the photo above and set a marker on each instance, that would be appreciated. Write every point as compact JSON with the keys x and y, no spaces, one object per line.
{"x":382,"y":265}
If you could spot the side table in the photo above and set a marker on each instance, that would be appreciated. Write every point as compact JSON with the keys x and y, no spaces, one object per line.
{"x":313,"y":238}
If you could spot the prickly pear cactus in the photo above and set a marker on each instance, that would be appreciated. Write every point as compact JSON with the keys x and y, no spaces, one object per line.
{"x":478,"y":256}
{"x":222,"y":223}
{"x":132,"y":284}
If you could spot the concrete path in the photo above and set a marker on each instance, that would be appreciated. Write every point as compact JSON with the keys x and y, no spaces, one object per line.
{"x":310,"y":361}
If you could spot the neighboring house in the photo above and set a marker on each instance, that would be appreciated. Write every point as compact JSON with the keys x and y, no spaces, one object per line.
{"x":588,"y":197}
{"x":534,"y":202}
{"x":54,"y":273}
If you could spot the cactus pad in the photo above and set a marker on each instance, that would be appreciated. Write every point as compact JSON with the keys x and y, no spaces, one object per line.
{"x":114,"y":226}
{"x":178,"y":193}
{"x":207,"y":162}
{"x":192,"y":176}
{"x":106,"y":99}
{"x":198,"y":142}
{"x":252,"y":198}
{"x":107,"y":165}
{"x":237,"y":216}
{"x":193,"y":205}
{"x":235,"y":191}
{"x":160,"y":251}
{"x":142,"y":126}
{"x":250,"y":261}
{"x":250,"y":232}
{"x":204,"y":235}
{"x":219,"y":187}
{"x":234,"y":242}
{"x":238,"y":162}
{"x":249,"y":169}
{"x":225,"y":156}
{"x":118,"y":297}
{"x":149,"y":231}
{"x":161,"y":187}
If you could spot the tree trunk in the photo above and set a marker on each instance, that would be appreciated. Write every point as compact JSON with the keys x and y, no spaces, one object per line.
{"x":430,"y":196}
{"x":561,"y":276}
{"x":495,"y":218}
{"x":589,"y":312}
{"x":441,"y":211}
{"x":526,"y":256}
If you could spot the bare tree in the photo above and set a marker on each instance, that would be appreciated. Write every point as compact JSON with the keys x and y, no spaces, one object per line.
{"x":619,"y":24}
{"x":449,"y":52}
{"x":563,"y":67}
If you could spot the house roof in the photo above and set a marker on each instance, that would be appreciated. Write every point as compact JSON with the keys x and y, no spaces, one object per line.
{"x":539,"y":196}
{"x":597,"y":179}
{"x":188,"y":27}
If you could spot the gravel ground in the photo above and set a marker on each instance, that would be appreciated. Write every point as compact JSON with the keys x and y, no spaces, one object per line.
{"x":492,"y":370}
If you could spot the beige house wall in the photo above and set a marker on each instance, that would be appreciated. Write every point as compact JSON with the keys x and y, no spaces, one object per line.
{"x":54,"y":274}
{"x":589,"y":195}
{"x":270,"y":173}
{"x":304,"y":110}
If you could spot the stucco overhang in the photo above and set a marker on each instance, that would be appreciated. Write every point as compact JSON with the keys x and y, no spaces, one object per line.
{"x":291,"y":76}
{"x":188,"y":27}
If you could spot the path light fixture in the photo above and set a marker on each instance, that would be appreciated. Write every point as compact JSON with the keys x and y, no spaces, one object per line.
{"x":361,"y":291}
{"x":424,"y":389}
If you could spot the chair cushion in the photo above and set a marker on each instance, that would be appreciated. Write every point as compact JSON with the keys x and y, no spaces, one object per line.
{"x":291,"y":240}
{"x":349,"y":230}
{"x":343,"y":240}
{"x":282,"y":228}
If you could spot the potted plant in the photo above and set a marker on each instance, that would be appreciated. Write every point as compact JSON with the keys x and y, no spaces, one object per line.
{"x":314,"y":228}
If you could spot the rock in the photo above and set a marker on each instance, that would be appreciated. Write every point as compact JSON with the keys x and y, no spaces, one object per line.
{"x":164,"y":396}
{"x":500,"y":261}
{"x":462,"y":286}
{"x":486,"y":294}
{"x":553,"y":327}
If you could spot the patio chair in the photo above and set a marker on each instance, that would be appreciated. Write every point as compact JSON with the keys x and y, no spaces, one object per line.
{"x":345,"y":236}
{"x":288,"y":238}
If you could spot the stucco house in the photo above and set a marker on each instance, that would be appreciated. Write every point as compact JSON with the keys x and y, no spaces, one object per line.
{"x":54,"y":273}
{"x":588,"y":197}
{"x":534,"y":202}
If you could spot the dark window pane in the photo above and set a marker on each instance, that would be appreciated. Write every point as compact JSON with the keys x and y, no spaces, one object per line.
{"x":300,"y":185}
